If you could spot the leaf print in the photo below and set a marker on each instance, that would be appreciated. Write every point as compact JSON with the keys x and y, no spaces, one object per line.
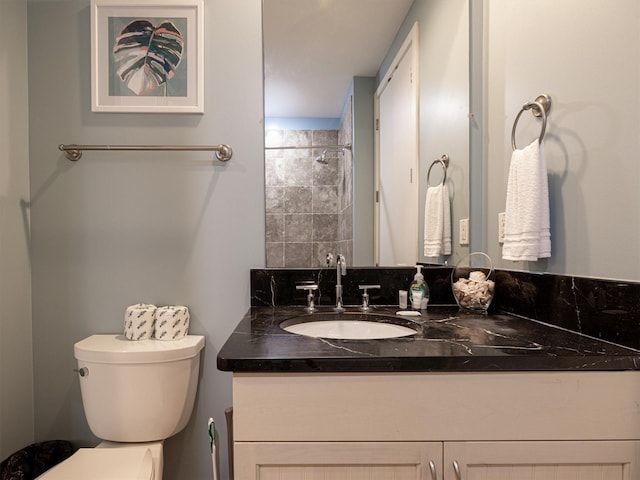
{"x":147,"y":56}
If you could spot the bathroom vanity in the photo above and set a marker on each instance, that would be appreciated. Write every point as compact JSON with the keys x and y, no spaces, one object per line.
{"x":468,"y":396}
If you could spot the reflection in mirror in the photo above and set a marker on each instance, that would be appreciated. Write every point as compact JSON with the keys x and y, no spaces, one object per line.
{"x":309,"y":194}
{"x":323,"y":63}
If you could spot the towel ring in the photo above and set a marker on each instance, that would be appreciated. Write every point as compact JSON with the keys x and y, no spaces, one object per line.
{"x":444,"y":161}
{"x":540,"y":107}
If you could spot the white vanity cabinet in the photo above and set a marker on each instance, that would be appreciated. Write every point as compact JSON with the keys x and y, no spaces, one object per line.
{"x":491,"y":426}
{"x":518,"y":460}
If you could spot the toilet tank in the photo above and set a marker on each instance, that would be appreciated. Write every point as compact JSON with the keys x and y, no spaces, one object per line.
{"x":138,"y":391}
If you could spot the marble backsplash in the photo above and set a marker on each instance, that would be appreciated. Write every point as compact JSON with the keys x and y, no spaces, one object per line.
{"x":278,"y":286}
{"x":605,"y":309}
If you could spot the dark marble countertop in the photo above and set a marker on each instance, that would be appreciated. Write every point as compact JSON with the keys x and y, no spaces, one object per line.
{"x":447,"y":340}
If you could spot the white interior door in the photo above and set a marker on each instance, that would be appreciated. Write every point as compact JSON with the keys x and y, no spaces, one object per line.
{"x":397,"y":159}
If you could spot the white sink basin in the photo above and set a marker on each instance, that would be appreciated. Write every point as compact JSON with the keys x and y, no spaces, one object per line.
{"x":347,"y":329}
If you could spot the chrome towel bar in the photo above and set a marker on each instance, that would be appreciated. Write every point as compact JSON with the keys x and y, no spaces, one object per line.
{"x":74,"y":152}
{"x":540,"y":108}
{"x":305,"y":147}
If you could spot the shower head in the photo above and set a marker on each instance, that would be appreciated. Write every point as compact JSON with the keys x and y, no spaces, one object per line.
{"x":322,"y":158}
{"x":336,"y":150}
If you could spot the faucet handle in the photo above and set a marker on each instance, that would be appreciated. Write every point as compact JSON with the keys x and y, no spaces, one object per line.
{"x":365,"y":296}
{"x":329,"y":259}
{"x":310,"y":287}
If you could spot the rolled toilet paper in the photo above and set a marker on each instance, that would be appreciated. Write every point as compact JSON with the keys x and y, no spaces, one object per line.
{"x":139,"y":321}
{"x":172,"y":322}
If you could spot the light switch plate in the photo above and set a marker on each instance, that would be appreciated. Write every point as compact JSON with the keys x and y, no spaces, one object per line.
{"x":464,"y":231}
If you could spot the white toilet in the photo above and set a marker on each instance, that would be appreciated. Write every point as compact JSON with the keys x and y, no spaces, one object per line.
{"x":135,"y":394}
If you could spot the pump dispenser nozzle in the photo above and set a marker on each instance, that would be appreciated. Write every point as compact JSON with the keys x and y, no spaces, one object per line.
{"x":418,"y":272}
{"x":418,"y":291}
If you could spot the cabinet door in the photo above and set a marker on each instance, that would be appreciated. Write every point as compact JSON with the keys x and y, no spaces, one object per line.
{"x":338,"y":460}
{"x":608,"y":460}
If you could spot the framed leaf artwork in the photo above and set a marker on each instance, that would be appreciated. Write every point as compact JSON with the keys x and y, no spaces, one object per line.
{"x":147,"y":56}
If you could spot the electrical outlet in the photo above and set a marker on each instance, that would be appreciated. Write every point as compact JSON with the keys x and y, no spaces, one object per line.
{"x":501,"y":221}
{"x":464,"y":231}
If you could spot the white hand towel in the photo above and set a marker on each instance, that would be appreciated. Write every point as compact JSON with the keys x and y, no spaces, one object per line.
{"x":526,"y":234}
{"x":437,"y":222}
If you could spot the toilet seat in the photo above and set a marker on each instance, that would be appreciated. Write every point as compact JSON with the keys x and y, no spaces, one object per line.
{"x":126,"y":463}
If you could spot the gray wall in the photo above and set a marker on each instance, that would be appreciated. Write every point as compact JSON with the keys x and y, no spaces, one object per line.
{"x":119,"y":228}
{"x":16,"y":368}
{"x":364,"y":89}
{"x":584,"y":53}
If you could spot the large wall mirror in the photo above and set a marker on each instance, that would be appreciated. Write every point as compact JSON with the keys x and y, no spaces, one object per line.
{"x":591,"y":140}
{"x":325,"y":62}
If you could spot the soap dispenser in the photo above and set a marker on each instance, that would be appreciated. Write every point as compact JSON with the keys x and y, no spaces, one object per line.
{"x":418,"y":291}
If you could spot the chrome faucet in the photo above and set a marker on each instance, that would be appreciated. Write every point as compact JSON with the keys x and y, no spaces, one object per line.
{"x":341,"y":270}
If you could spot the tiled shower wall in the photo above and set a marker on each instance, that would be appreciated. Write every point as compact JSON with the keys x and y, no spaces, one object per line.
{"x":308,"y":205}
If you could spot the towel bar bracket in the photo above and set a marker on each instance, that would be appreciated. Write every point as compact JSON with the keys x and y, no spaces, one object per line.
{"x":72,"y":154}
{"x":545,"y":101}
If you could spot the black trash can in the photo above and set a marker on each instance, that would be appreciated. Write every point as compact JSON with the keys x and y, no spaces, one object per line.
{"x":34,"y":460}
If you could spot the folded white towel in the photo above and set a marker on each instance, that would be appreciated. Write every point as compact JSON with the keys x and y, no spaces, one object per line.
{"x":437,"y":221}
{"x":526,"y":232}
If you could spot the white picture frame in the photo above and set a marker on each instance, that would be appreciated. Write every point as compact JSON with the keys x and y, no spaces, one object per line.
{"x":147,"y":56}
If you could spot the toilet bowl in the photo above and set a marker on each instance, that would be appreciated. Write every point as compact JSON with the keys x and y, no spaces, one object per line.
{"x":135,"y":394}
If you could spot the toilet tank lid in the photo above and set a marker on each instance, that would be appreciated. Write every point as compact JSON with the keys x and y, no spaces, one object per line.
{"x":117,"y":349}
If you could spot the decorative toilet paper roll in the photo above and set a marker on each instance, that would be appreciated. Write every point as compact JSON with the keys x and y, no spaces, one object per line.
{"x":172,"y":322}
{"x":139,"y":321}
